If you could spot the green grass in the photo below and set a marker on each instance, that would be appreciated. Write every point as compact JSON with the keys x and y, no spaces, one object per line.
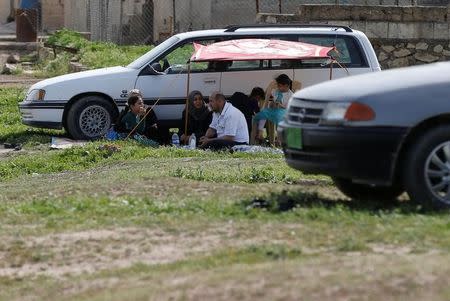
{"x":161,"y":223}
{"x":9,"y":112}
{"x":104,"y":152}
{"x":91,"y":54}
{"x":342,"y":227}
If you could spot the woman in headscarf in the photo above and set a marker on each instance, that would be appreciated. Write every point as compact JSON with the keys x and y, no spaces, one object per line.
{"x":199,"y":117}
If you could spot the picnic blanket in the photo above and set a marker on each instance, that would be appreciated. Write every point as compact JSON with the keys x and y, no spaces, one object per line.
{"x":63,"y":143}
{"x":256,"y":149}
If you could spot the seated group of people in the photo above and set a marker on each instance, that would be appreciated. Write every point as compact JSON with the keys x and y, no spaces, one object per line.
{"x":220,"y":123}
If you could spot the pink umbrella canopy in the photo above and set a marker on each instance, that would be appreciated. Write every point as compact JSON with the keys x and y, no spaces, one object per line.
{"x":258,"y":49}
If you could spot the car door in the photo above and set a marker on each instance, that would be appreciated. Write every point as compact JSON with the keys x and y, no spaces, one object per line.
{"x":169,"y":87}
{"x":243,"y":76}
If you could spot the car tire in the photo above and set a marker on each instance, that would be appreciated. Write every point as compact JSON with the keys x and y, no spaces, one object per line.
{"x":427,"y":169}
{"x":90,"y":118}
{"x":364,"y":192}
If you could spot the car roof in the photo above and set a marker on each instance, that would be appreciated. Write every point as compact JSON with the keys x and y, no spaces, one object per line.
{"x":268,"y":31}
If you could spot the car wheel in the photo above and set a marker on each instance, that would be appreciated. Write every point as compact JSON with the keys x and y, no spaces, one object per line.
{"x":90,"y":118}
{"x":427,"y":169}
{"x":364,"y":192}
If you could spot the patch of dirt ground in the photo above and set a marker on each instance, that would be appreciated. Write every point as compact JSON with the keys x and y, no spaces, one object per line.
{"x":341,"y":276}
{"x":90,"y":251}
{"x":383,"y":272}
{"x":17,"y":80}
{"x":329,"y":277}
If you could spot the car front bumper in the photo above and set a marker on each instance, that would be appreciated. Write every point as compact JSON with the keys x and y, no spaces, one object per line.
{"x":42,"y":114}
{"x":365,"y":154}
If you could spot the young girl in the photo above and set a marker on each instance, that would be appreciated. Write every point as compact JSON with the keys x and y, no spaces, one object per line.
{"x":133,"y":124}
{"x":134,"y":115}
{"x":276,"y":106}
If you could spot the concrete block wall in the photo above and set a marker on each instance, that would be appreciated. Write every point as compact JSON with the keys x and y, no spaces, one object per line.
{"x":52,"y":14}
{"x":162,"y":19}
{"x":75,"y":15}
{"x":376,"y":21}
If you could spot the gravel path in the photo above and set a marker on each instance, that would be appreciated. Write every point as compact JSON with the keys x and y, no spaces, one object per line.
{"x":17,"y":80}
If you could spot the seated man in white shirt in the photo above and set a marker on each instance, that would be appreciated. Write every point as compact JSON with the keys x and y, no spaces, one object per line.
{"x":228,"y":126}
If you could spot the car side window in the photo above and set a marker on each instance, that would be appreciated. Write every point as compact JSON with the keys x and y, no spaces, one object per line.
{"x":178,"y":58}
{"x":261,"y":65}
{"x":245,"y":65}
{"x":347,"y":53}
{"x":284,"y":64}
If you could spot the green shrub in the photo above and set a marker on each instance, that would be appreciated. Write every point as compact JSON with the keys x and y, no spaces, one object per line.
{"x":68,"y":38}
{"x":91,"y":54}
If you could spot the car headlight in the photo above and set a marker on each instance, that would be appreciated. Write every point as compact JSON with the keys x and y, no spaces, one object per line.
{"x":36,"y":94}
{"x":336,"y":113}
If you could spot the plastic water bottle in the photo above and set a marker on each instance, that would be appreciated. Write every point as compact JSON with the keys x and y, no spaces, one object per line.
{"x":175,"y":140}
{"x":192,"y":141}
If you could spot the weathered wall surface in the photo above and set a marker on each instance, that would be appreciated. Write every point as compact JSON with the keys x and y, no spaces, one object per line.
{"x":124,"y":21}
{"x":52,"y":14}
{"x":162,"y":20}
{"x":5,"y":9}
{"x":75,"y":13}
{"x":119,"y":21}
{"x":401,"y":36}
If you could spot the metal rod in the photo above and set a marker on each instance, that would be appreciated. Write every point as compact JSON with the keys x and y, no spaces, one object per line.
{"x":12,"y":13}
{"x":187,"y":99}
{"x":343,"y":67}
{"x":174,"y":16}
{"x":120,"y":23}
{"x":331,"y":70}
{"x":279,"y":6}
{"x":257,"y":6}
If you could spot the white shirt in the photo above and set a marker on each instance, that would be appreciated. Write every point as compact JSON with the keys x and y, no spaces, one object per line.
{"x":282,"y":97}
{"x":230,"y":122}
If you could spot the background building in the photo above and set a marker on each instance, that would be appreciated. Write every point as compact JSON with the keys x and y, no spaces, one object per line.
{"x":151,"y":21}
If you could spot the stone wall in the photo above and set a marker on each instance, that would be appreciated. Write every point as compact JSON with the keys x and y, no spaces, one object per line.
{"x":401,"y":36}
{"x":400,"y":53}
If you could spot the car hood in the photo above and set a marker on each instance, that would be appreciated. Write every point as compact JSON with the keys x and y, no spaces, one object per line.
{"x":91,"y":74}
{"x":369,"y":84}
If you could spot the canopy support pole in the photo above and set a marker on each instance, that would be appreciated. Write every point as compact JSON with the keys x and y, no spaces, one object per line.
{"x":343,"y":67}
{"x":187,"y":99}
{"x":331,"y":69}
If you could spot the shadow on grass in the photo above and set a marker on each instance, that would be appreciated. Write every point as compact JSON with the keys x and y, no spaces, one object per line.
{"x":287,"y":201}
{"x":32,"y":136}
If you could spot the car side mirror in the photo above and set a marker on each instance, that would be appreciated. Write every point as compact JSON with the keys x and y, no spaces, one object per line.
{"x":155,"y":69}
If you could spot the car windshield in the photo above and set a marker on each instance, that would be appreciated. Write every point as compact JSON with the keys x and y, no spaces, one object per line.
{"x":141,"y":61}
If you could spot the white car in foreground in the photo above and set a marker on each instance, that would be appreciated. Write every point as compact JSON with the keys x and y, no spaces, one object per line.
{"x":87,"y":103}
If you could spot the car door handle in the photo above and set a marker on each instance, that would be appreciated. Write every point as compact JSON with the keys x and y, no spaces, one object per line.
{"x":209,"y":81}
